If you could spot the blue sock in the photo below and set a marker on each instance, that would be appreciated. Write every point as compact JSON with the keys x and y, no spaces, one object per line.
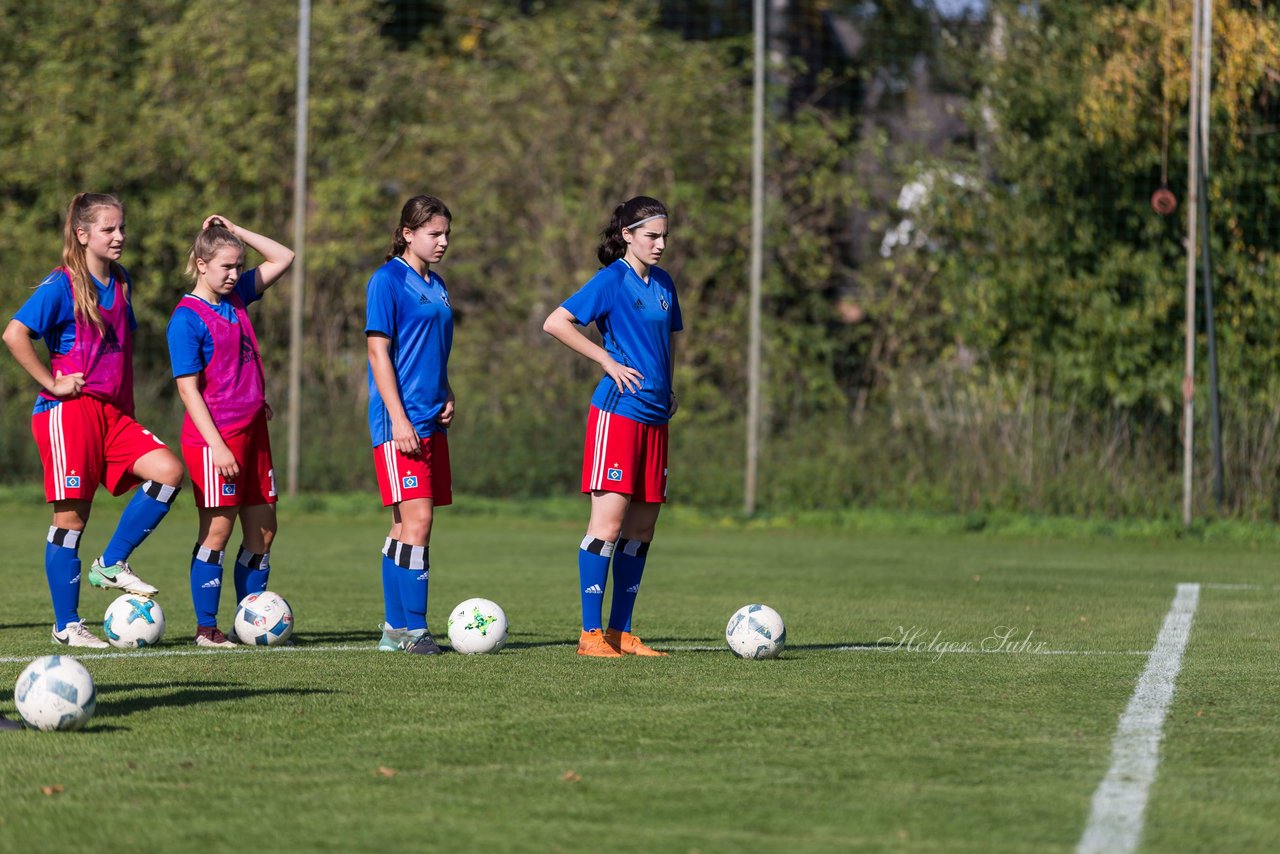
{"x":149,"y":505}
{"x":206,"y":584}
{"x":392,"y":608}
{"x":628,"y":568}
{"x":62,"y":569}
{"x":593,"y":572}
{"x":412,"y":572}
{"x":251,"y":573}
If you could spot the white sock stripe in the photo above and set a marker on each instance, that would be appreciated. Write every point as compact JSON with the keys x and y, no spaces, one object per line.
{"x":1120,"y":801}
{"x":209,"y":555}
{"x":162,"y":492}
{"x":64,"y":537}
{"x":386,"y":547}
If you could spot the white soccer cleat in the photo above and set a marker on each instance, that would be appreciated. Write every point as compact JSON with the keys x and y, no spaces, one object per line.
{"x":75,"y":634}
{"x":120,"y":577}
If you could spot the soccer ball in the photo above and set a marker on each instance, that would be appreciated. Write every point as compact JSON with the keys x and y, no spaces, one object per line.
{"x":55,"y":692}
{"x":477,"y":626}
{"x":133,"y":621}
{"x":264,"y":619}
{"x":756,"y":631}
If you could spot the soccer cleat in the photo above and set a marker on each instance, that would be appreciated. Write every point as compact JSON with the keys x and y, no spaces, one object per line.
{"x":120,"y":577}
{"x":628,"y":644}
{"x":212,"y":636}
{"x":393,"y":640}
{"x":75,"y":634}
{"x":420,"y":642}
{"x":593,"y":644}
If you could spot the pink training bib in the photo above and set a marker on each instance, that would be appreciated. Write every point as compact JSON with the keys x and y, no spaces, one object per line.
{"x":232,"y":383}
{"x":105,"y":358}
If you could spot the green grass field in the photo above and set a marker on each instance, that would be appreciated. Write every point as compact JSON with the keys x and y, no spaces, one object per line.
{"x":930,"y":745}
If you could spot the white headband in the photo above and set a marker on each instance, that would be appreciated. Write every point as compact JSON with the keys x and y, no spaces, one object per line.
{"x":643,"y":221}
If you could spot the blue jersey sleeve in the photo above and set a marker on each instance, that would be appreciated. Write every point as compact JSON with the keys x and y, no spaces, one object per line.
{"x":247,"y":287}
{"x":50,"y":313}
{"x":190,"y":344}
{"x":380,"y":311}
{"x":592,"y":300}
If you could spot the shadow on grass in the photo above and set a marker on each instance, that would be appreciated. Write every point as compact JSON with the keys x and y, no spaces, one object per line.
{"x":181,"y":694}
{"x":369,"y":636}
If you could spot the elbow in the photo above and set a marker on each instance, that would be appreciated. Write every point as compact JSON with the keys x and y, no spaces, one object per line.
{"x":287,"y":260}
{"x":12,"y":333}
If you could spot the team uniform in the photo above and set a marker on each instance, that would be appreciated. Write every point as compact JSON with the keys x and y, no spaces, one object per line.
{"x":218,"y":343}
{"x":414,"y":313}
{"x":626,"y":440}
{"x":92,"y":438}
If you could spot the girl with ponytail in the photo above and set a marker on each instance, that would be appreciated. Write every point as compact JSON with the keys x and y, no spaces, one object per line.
{"x":409,"y":330}
{"x":225,"y":443}
{"x":633,"y":304}
{"x":83,"y":421}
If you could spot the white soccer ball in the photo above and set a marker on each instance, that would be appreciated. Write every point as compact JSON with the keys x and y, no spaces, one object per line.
{"x":477,"y":626}
{"x":133,"y":621}
{"x":264,"y":619}
{"x":756,"y":631}
{"x":55,"y":692}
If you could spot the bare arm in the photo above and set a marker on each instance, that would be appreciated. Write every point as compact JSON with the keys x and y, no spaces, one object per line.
{"x":223,"y":460}
{"x":17,"y":337}
{"x":561,"y":325}
{"x":384,"y":377}
{"x":278,"y":257}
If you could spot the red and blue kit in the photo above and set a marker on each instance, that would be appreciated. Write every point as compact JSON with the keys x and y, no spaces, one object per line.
{"x":93,"y":438}
{"x":415,"y":315}
{"x":626,"y":440}
{"x":217,"y":343}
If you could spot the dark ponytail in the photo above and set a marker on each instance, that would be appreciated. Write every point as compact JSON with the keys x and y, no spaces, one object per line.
{"x":415,"y":212}
{"x":628,"y":214}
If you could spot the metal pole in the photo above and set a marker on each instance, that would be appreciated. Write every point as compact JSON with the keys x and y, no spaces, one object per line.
{"x":1206,"y":264}
{"x":1188,"y":377}
{"x":757,"y":263}
{"x":298,"y":278}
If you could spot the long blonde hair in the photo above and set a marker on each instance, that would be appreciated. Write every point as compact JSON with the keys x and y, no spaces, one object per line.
{"x":82,"y":213}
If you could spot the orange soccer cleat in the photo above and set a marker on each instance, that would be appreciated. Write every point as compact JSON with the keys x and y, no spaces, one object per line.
{"x":628,"y":644}
{"x":593,"y":643}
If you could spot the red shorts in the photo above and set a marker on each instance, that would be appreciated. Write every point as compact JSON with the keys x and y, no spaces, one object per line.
{"x":84,"y":442}
{"x":626,"y":456}
{"x":403,"y":477}
{"x":257,"y":481}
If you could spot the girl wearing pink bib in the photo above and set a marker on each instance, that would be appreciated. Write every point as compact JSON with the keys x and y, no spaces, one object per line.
{"x":83,"y":420}
{"x":225,"y":443}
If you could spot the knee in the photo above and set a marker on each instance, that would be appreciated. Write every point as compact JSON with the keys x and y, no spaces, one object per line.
{"x":169,"y":471}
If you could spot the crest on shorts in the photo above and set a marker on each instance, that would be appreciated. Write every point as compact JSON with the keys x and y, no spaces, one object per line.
{"x":410,"y":482}
{"x":615,"y":474}
{"x":228,"y":489}
{"x":73,"y":481}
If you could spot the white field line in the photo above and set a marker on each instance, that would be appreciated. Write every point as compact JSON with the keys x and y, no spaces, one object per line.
{"x":1120,"y":802}
{"x":327,"y":648}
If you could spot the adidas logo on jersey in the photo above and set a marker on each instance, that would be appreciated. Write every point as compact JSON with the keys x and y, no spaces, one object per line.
{"x":213,"y":582}
{"x":639,"y":303}
{"x":423,"y":299}
{"x":596,"y":589}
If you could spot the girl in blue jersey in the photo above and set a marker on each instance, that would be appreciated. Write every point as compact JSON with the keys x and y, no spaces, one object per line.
{"x":633,"y":303}
{"x":409,"y":327}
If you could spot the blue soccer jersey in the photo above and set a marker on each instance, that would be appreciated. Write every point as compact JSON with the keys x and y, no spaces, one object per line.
{"x":50,"y":312}
{"x":190,"y":341}
{"x":414,"y":313}
{"x":635,"y":319}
